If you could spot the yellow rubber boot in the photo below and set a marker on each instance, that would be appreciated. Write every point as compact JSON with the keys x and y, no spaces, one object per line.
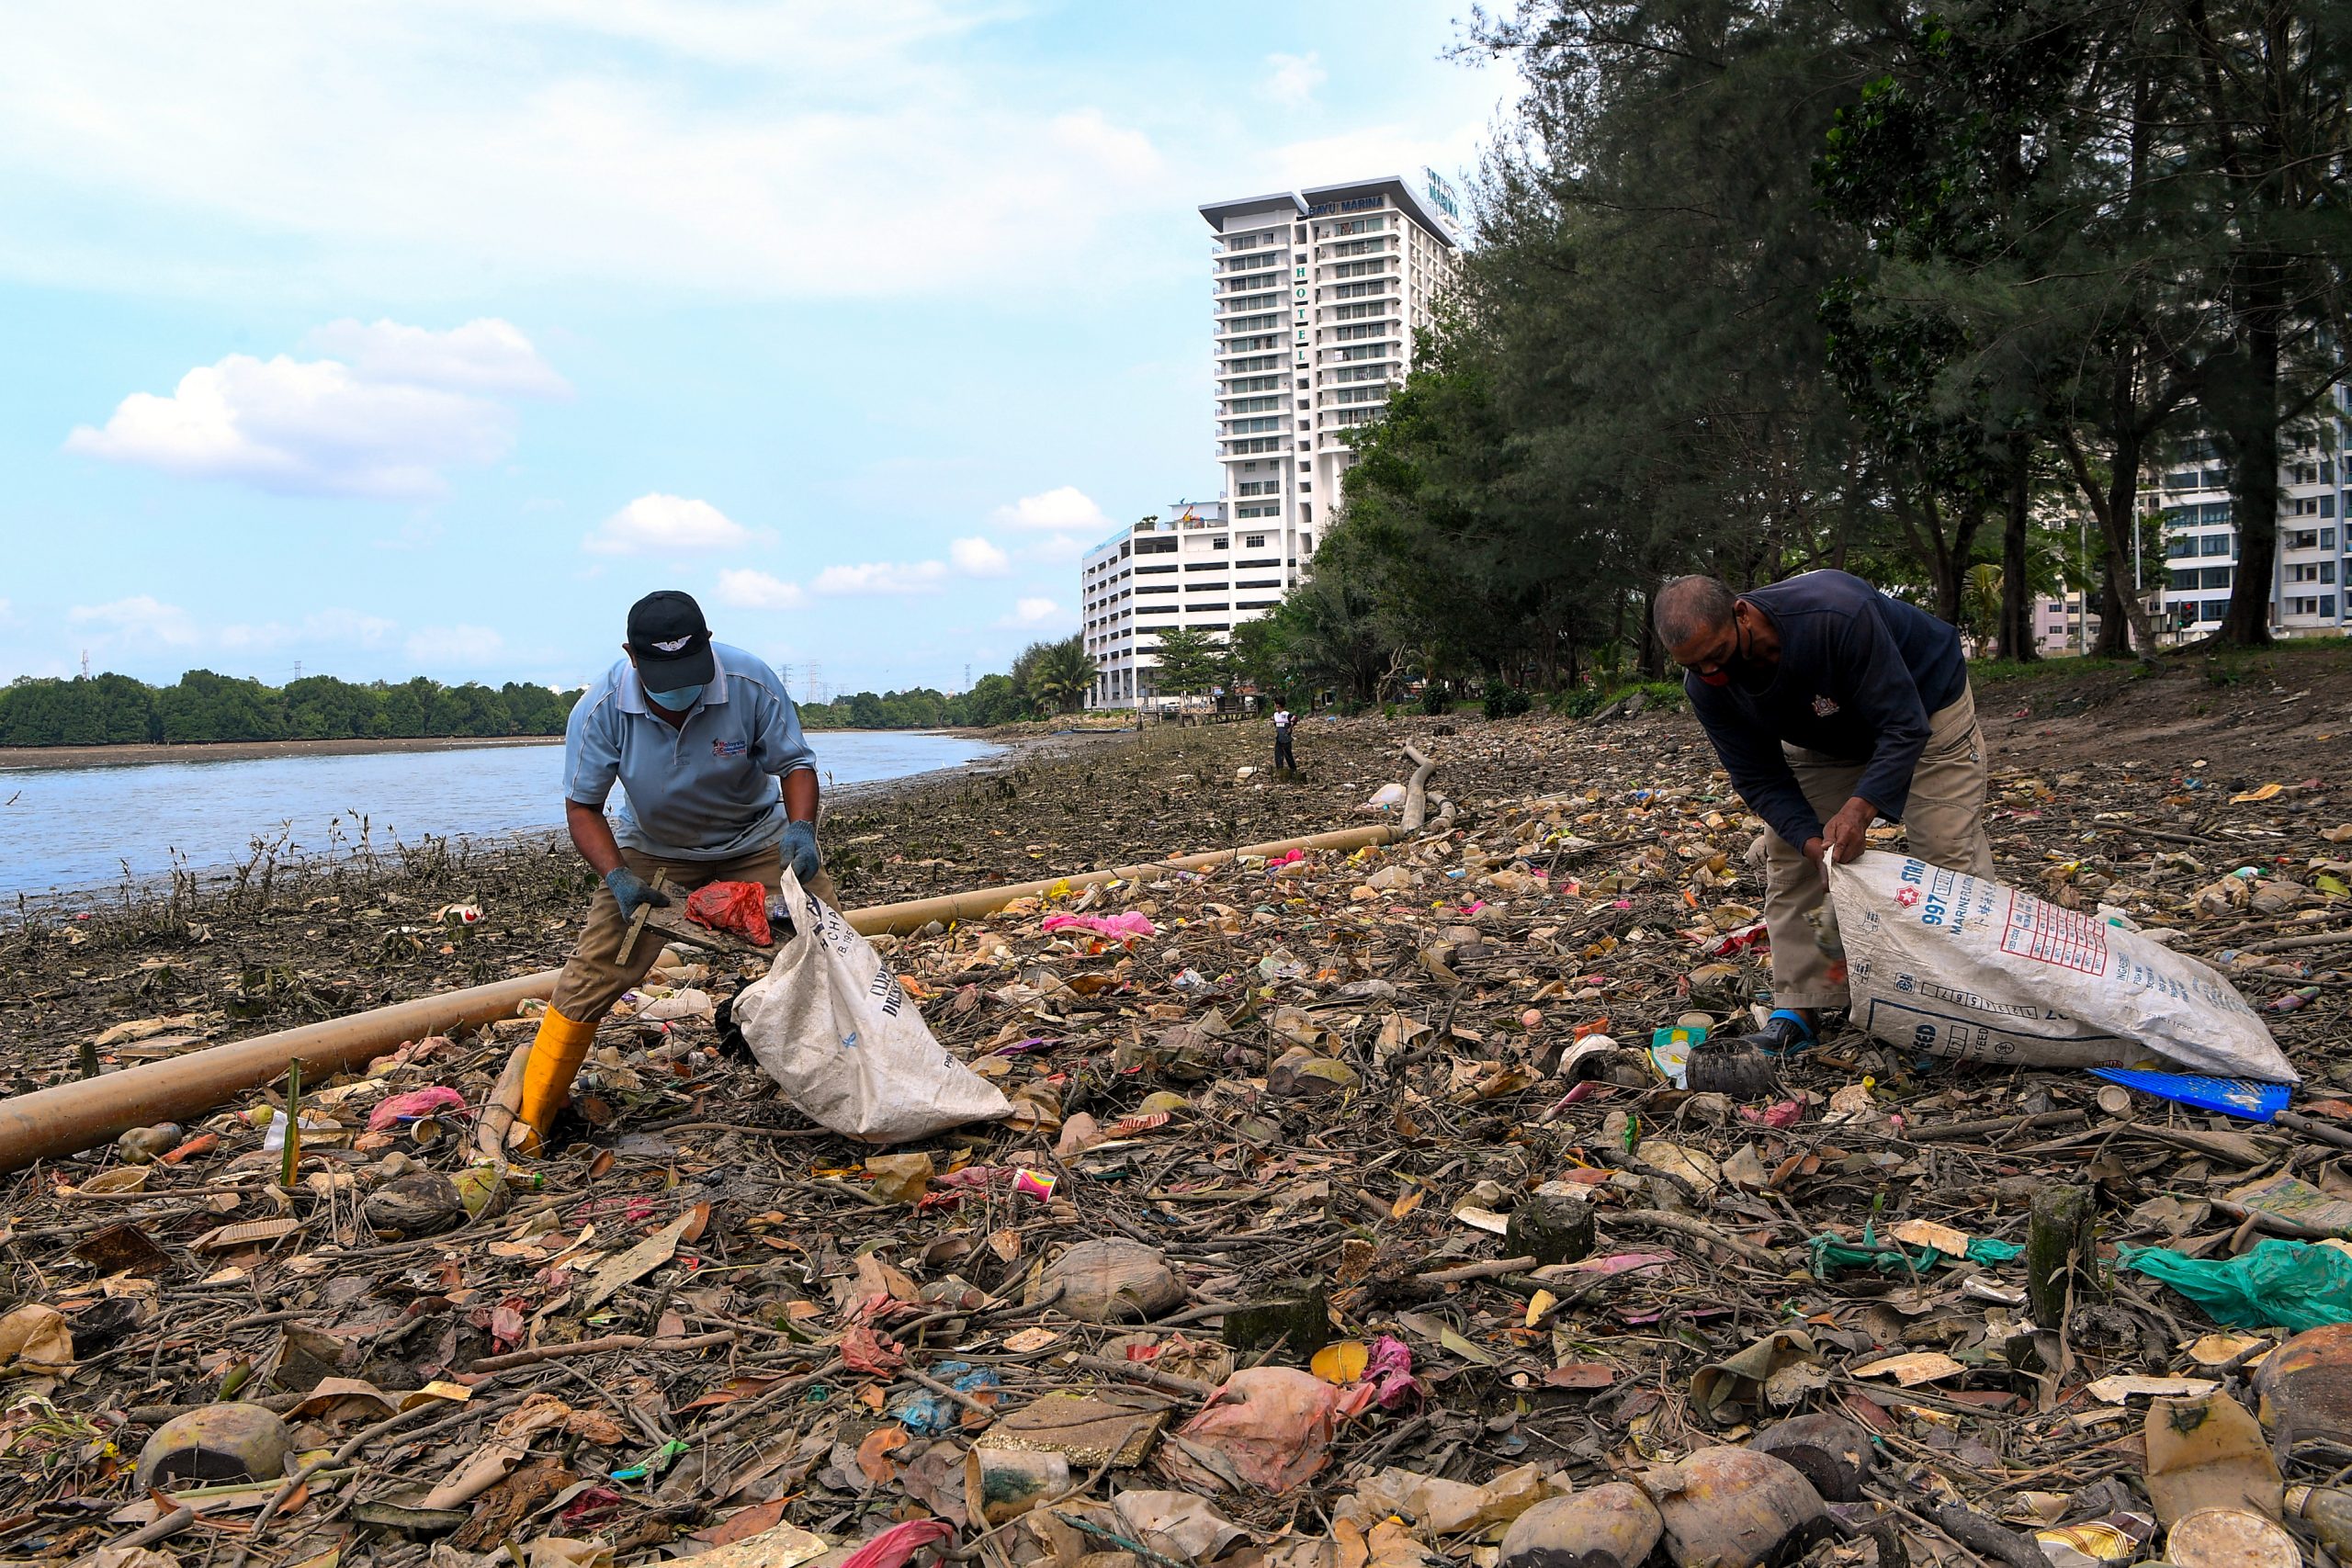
{"x":557,"y":1052}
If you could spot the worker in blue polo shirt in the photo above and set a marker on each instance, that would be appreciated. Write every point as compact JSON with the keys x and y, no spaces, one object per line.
{"x":720,"y":787}
{"x":1830,"y":705}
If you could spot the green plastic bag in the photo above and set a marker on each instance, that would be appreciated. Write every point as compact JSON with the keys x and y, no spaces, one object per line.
{"x":1831,"y":1253}
{"x":2287,"y":1284}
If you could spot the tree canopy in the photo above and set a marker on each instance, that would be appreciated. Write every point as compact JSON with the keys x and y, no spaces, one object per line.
{"x":1765,"y":285}
{"x":113,"y":710}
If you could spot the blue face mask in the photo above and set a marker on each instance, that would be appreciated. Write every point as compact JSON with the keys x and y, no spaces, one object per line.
{"x":678,"y":701}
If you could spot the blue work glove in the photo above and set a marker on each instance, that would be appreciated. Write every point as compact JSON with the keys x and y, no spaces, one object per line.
{"x":800,"y":850}
{"x":631,"y":893}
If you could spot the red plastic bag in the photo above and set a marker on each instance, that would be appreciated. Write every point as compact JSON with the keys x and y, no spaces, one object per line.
{"x":737,"y":906}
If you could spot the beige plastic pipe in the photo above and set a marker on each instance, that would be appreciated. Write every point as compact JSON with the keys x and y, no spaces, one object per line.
{"x":916,"y":913}
{"x":69,"y":1117}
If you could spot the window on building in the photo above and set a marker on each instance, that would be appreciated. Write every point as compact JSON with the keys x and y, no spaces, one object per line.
{"x":2212,"y":609}
{"x":1221,"y":542}
{"x":2217,"y":577}
{"x":1254,"y":542}
{"x":2214,"y":544}
{"x":2179,"y":547}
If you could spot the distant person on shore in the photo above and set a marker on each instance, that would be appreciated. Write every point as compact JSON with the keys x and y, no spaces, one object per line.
{"x":1284,"y":723}
{"x":700,"y":735}
{"x":1829,"y":705}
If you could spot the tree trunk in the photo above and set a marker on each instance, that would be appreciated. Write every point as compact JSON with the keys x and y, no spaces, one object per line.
{"x":2119,"y":528}
{"x":2116,"y":506}
{"x":1945,"y":558}
{"x":2247,"y":420}
{"x":1653,"y":656}
{"x":2017,"y":640}
{"x":2114,"y":639}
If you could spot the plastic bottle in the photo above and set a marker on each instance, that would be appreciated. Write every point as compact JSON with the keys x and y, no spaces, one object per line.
{"x":2329,"y":1513}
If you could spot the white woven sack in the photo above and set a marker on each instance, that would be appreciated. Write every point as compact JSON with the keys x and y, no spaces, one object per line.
{"x":1954,"y":966}
{"x":832,"y":1025}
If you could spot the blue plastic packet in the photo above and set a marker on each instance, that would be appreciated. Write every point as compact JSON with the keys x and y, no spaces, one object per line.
{"x":2246,"y":1097}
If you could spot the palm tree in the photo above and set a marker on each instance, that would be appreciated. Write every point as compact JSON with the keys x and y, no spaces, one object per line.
{"x":1062,"y":674}
{"x":1980,"y":601}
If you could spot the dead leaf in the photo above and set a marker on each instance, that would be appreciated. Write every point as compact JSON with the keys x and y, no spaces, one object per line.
{"x":635,"y":1263}
{"x":1911,"y":1369}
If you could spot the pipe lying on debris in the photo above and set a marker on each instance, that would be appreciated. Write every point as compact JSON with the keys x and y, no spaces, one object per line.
{"x":897,"y":919}
{"x":69,"y":1117}
{"x":1417,"y":790}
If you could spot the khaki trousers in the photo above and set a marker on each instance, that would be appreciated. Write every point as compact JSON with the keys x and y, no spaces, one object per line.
{"x":594,"y":979}
{"x":1943,"y":823}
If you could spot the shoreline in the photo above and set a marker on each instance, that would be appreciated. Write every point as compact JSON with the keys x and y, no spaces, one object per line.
{"x":861,"y":795}
{"x":22,"y":758}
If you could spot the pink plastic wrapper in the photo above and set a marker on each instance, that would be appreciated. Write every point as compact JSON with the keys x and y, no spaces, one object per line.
{"x":415,"y":1106}
{"x":893,"y":1546}
{"x":1033,"y":1184}
{"x":1268,"y":1428}
{"x":1389,"y":1370}
{"x":1126,"y":925}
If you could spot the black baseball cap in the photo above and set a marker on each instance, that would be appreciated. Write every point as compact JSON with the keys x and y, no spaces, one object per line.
{"x":670,"y":640}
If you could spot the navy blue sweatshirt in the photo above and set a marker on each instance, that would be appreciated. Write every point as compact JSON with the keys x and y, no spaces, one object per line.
{"x":1860,"y":673}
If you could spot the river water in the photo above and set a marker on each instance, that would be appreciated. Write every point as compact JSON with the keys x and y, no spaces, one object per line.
{"x":68,"y":829}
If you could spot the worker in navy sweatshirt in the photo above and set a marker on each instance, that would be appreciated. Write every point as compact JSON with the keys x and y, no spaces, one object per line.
{"x":1830,"y":705}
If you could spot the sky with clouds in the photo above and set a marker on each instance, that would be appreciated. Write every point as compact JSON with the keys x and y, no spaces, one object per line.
{"x":414,"y":336}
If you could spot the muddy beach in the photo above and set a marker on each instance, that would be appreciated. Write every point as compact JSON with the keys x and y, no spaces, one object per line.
{"x":1323,"y":1130}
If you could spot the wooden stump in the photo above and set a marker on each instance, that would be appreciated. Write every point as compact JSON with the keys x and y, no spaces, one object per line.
{"x":2060,"y":1252}
{"x":1549,"y":1229}
{"x":1297,"y":1319}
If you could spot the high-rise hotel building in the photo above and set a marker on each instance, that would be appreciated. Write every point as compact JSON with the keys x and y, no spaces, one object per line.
{"x":1317,"y":297}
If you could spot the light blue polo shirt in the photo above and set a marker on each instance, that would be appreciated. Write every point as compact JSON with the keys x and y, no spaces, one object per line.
{"x":706,"y":790}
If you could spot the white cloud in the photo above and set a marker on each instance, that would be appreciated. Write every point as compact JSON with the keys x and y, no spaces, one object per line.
{"x":660,"y":523}
{"x":484,"y":355}
{"x":1030,"y":612}
{"x":341,"y":628}
{"x":300,"y":427}
{"x":1292,"y":79}
{"x":882,"y":576}
{"x":143,"y":624}
{"x":977,"y":557}
{"x":1068,"y":509}
{"x":142,"y":618}
{"x":748,"y":589}
{"x":435,"y":145}
{"x":407,"y":405}
{"x":458,"y":647}
{"x":1057,"y":549}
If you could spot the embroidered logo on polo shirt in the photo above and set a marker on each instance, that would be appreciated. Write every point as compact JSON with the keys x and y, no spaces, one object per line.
{"x":727,"y":748}
{"x":1822,"y":707}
